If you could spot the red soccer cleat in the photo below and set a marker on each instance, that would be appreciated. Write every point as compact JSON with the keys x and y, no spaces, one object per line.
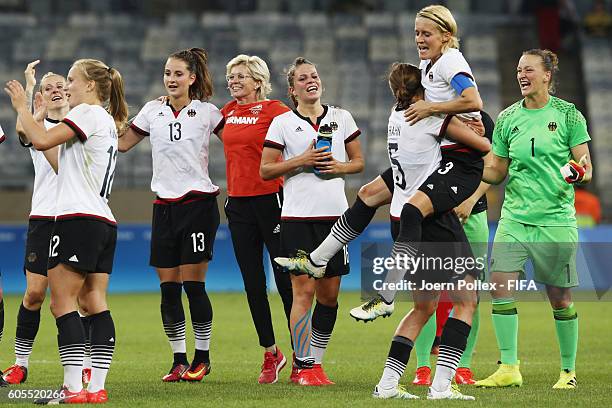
{"x":196,"y":373}
{"x":271,"y":367}
{"x":308,"y":377}
{"x":65,"y":397}
{"x":294,"y":371}
{"x":86,"y":376}
{"x":176,"y":372}
{"x":98,"y":397}
{"x":15,"y":374}
{"x":464,"y":376}
{"x":318,"y":369}
{"x":422,"y":376}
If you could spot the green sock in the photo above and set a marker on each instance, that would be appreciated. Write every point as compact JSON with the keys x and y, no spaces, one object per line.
{"x":505,"y":323}
{"x":466,"y":358}
{"x":424,"y":341}
{"x":566,"y":323}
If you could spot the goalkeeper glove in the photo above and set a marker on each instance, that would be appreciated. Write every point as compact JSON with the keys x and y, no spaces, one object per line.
{"x":572,"y":172}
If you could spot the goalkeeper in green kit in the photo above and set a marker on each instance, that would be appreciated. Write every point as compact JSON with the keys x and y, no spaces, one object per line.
{"x":540,"y":142}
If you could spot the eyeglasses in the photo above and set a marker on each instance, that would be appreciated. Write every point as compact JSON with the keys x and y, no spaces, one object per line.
{"x":238,"y":77}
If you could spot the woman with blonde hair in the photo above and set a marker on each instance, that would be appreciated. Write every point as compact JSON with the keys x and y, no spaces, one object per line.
{"x":253,"y":205}
{"x":84,"y":236}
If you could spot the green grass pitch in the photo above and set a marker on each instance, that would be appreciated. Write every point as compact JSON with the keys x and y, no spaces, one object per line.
{"x":354,"y":360}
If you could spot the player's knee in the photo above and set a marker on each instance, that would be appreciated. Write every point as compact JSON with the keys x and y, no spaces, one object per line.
{"x":34,"y":298}
{"x":425,"y":309}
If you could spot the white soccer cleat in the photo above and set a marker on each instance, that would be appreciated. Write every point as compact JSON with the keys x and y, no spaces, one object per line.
{"x":301,"y":263}
{"x":399,"y":392}
{"x":372,"y":309}
{"x":452,"y":393}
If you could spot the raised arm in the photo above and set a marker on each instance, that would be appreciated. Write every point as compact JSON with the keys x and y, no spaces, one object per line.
{"x":40,"y":138}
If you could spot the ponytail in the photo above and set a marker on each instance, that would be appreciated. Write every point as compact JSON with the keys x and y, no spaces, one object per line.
{"x":197,"y":63}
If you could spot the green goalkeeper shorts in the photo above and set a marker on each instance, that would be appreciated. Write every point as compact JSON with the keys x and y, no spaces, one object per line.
{"x":552,"y":250}
{"x":477,"y":230}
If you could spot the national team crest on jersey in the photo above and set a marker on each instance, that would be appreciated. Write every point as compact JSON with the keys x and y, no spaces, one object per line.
{"x":191,"y":113}
{"x":552,"y":126}
{"x":255,"y":110}
{"x":334,"y":126}
{"x":430,"y":76}
{"x":160,"y":114}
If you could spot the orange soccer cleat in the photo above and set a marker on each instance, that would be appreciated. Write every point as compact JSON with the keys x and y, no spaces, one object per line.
{"x":15,"y":374}
{"x":422,"y":376}
{"x":271,"y":366}
{"x":464,"y":376}
{"x":196,"y":373}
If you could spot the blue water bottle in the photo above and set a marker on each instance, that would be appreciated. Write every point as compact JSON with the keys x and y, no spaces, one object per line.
{"x":324,"y":139}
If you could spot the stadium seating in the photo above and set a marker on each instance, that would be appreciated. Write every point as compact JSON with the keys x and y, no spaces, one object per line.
{"x":353,"y":52}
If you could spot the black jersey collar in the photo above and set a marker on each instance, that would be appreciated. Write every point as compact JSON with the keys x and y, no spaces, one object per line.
{"x":319,"y":118}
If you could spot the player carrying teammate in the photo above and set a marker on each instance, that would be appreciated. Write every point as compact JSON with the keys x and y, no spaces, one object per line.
{"x":449,"y":88}
{"x":314,"y":199}
{"x":82,"y":246}
{"x":534,"y":139}
{"x":415,"y":149}
{"x":185,"y":212}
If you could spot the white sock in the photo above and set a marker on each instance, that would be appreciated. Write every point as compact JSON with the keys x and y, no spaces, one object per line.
{"x":98,"y":378}
{"x":72,"y":378}
{"x":326,"y":250}
{"x":391,"y":374}
{"x":446,"y":366}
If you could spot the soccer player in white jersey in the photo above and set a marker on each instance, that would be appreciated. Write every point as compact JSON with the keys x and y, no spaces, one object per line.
{"x":83,"y":243}
{"x":185,"y":212}
{"x":414,"y":150}
{"x":460,"y":169}
{"x":314,"y":199}
{"x":51,"y":106}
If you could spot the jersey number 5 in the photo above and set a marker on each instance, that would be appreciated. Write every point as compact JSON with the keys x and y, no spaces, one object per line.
{"x":400,"y":177}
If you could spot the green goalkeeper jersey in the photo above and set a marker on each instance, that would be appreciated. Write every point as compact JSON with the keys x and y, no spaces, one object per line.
{"x":538,"y":142}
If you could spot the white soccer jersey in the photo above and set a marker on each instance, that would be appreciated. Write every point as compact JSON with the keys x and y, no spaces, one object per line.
{"x":414,"y":152}
{"x":179,"y":144}
{"x":437,"y":80}
{"x":44,"y":196}
{"x":306,"y":195}
{"x":87,"y":165}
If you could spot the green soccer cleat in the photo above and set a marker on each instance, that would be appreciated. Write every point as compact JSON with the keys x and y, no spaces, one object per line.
{"x":452,"y":393}
{"x":507,"y":375}
{"x":301,"y":263}
{"x":567,"y":380}
{"x":399,"y":392}
{"x":372,"y":309}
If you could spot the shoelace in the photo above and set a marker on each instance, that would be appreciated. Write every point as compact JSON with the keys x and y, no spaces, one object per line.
{"x":268,"y":363}
{"x":372,"y":303}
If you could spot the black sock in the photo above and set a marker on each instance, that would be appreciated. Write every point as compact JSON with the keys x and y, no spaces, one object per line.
{"x":323,"y":321}
{"x":1,"y":317}
{"x":173,"y":318}
{"x":86,"y":321}
{"x":201,"y":319}
{"x":70,"y":339}
{"x":452,"y":346}
{"x":410,"y":224}
{"x":397,"y":359}
{"x":353,"y":221}
{"x":28,"y":322}
{"x":102,"y":329}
